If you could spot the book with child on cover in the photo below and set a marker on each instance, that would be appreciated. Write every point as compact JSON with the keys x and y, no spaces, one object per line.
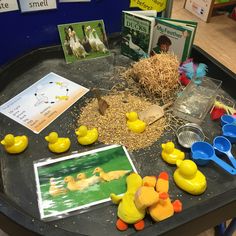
{"x":144,"y":34}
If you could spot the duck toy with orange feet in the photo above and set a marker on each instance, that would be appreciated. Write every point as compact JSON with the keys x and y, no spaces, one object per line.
{"x":127,"y":212}
{"x":170,"y":154}
{"x":162,"y":208}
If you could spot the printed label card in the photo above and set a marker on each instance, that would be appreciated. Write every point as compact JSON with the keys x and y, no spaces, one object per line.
{"x":40,"y":104}
{"x":37,"y":5}
{"x":8,"y":5}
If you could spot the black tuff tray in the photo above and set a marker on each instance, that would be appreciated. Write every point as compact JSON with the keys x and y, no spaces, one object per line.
{"x":19,"y":214}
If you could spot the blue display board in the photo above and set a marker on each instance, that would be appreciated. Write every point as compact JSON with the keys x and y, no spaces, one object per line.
{"x":23,"y":32}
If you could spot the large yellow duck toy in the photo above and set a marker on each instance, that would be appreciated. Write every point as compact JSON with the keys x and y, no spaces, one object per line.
{"x":128,"y":213}
{"x":134,"y":124}
{"x":170,"y":154}
{"x":15,"y":145}
{"x":85,"y":136}
{"x":189,"y":178}
{"x":56,"y":144}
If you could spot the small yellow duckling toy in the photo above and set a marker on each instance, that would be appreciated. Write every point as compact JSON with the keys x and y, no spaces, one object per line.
{"x":128,"y":213}
{"x":85,"y":136}
{"x":189,"y":178}
{"x":15,"y":145}
{"x":56,"y":144}
{"x":170,"y":154}
{"x":134,"y":124}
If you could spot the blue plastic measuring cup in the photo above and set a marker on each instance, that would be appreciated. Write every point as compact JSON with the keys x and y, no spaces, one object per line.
{"x":229,"y":131}
{"x":203,"y":152}
{"x":227,"y":119}
{"x":223,"y":145}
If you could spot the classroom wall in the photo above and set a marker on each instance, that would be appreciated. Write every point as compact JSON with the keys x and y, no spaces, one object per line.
{"x":23,"y":32}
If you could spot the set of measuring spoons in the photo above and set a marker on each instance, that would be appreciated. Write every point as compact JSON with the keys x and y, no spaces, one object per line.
{"x":203,"y":152}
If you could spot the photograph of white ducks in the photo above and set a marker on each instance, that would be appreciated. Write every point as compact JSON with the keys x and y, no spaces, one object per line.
{"x":81,"y":180}
{"x":83,"y":40}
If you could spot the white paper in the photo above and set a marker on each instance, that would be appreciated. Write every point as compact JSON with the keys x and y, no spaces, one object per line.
{"x":8,"y":5}
{"x":40,"y":104}
{"x":37,"y":5}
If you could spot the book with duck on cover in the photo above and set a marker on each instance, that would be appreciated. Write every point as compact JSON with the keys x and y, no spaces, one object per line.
{"x":144,"y":34}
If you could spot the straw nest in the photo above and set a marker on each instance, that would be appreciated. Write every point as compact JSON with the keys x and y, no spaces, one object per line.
{"x":157,"y":74}
{"x":112,"y":127}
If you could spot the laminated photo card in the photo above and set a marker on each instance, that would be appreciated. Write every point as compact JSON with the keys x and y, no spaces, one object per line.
{"x":83,"y":40}
{"x":78,"y":181}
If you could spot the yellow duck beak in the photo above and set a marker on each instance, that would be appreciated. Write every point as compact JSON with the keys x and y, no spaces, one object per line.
{"x":3,"y":142}
{"x":47,"y":138}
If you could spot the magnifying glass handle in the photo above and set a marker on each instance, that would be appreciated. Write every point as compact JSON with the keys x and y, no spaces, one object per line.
{"x":232,"y":159}
{"x":224,"y":165}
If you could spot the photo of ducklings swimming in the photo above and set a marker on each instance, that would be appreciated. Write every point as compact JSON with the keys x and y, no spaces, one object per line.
{"x":82,"y":181}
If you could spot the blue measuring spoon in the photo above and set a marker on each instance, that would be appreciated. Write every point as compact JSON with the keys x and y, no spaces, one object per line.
{"x":229,"y":131}
{"x":227,"y":119}
{"x":223,"y":145}
{"x":203,"y":152}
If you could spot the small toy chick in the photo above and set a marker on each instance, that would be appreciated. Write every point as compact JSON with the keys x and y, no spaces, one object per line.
{"x":85,"y":136}
{"x":164,"y":208}
{"x":54,"y":190}
{"x":56,"y":144}
{"x":111,"y":175}
{"x":127,"y":212}
{"x":15,"y":145}
{"x":189,"y":178}
{"x":134,"y":124}
{"x":170,"y":154}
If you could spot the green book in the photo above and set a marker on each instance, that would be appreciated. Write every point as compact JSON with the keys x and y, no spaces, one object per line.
{"x":144,"y":34}
{"x":137,"y":33}
{"x":173,"y":36}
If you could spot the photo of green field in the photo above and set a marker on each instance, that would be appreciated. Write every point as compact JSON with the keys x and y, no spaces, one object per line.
{"x":103,"y":172}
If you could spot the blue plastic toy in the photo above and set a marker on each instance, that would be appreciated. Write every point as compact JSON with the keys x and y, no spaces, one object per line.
{"x":223,"y":145}
{"x":229,"y":131}
{"x":203,"y":152}
{"x":227,"y":119}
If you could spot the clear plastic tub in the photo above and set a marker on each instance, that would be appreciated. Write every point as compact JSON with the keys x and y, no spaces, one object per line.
{"x":196,"y":100}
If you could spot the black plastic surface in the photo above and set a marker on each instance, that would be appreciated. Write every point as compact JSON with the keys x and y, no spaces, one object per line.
{"x":18,"y":202}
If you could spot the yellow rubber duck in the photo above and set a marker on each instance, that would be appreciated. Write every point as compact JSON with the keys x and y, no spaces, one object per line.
{"x":85,"y":136}
{"x":111,"y":175}
{"x":56,"y":144}
{"x":134,"y":124}
{"x":170,"y":154}
{"x":54,"y":190}
{"x":189,"y":178}
{"x":15,"y":145}
{"x":127,"y":212}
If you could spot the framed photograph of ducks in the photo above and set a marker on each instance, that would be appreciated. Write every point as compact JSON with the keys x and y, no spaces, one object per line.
{"x":83,"y":40}
{"x":72,"y":183}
